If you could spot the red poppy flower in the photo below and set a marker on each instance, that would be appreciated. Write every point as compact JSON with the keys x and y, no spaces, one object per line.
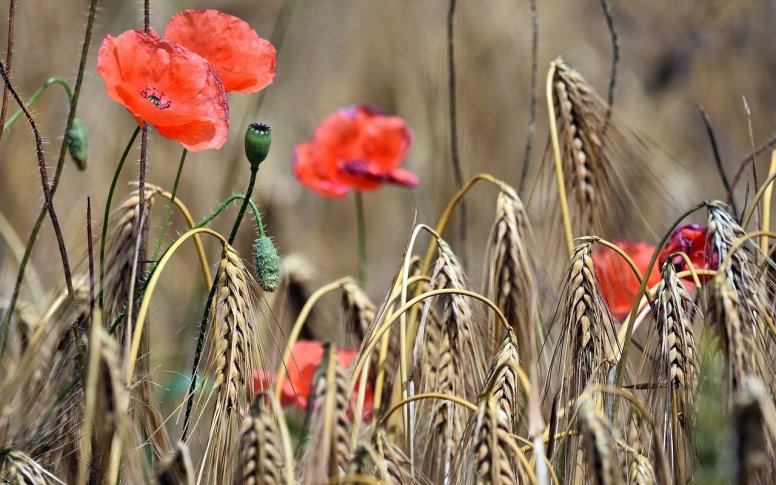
{"x":165,"y":85}
{"x":619,"y":285}
{"x":355,"y":148}
{"x":296,"y":387}
{"x":244,"y":61}
{"x":691,"y":240}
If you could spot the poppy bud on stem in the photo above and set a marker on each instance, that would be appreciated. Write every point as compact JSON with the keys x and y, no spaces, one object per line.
{"x":258,"y":138}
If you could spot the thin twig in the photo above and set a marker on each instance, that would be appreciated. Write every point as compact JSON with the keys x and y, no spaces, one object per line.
{"x":751,"y":142}
{"x":457,"y":172}
{"x":534,"y":95}
{"x":607,"y":8}
{"x":55,"y":183}
{"x":8,"y":62}
{"x":746,"y":159}
{"x":717,"y":157}
{"x":49,"y":202}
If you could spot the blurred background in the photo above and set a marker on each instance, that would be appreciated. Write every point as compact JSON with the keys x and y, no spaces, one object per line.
{"x":391,"y":54}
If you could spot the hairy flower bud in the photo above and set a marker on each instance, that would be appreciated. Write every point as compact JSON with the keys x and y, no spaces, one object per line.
{"x":267,"y":263}
{"x":78,"y":143}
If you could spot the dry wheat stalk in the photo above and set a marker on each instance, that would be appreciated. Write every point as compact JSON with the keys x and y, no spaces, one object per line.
{"x":510,"y":280}
{"x":588,"y":172}
{"x":329,"y":448}
{"x":740,"y":305}
{"x":358,"y":309}
{"x":234,"y":343}
{"x":175,"y":468}
{"x":487,"y":453}
{"x":452,"y":339}
{"x":674,"y":374}
{"x":600,"y":457}
{"x":260,"y":458}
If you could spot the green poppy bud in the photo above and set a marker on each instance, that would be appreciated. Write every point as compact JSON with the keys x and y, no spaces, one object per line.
{"x":257,"y":141}
{"x":267,"y":264}
{"x":78,"y":143}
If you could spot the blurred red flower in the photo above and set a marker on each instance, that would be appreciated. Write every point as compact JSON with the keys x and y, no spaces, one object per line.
{"x":297,"y":385}
{"x":244,"y":61}
{"x":165,"y":85}
{"x":619,"y":285}
{"x":355,"y":148}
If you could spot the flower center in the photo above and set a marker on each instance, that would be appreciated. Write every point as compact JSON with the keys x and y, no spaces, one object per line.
{"x":155,"y":97}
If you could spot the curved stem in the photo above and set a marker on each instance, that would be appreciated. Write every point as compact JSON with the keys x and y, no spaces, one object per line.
{"x":640,"y":294}
{"x":561,"y":184}
{"x":168,"y":212}
{"x":149,"y":292}
{"x":756,"y":200}
{"x":440,"y":227}
{"x":52,"y":80}
{"x":106,"y":215}
{"x":208,"y":303}
{"x":361,"y":239}
{"x":296,"y":329}
{"x":426,"y":395}
{"x":456,"y":159}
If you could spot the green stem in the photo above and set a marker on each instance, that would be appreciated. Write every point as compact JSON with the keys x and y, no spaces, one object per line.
{"x":248,"y":192}
{"x":105,"y":216}
{"x":52,"y":80}
{"x":209,"y":302}
{"x":361,"y":239}
{"x":168,"y":213}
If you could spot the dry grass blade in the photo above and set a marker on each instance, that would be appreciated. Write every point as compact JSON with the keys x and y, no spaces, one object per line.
{"x":328,"y":450}
{"x":600,"y":457}
{"x":175,"y":468}
{"x":260,"y":458}
{"x":234,"y":344}
{"x":451,"y":361}
{"x":675,"y":369}
{"x":740,"y":307}
{"x":510,"y":273}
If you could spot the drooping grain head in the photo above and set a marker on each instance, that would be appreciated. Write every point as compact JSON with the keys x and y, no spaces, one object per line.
{"x":260,"y":458}
{"x":600,"y":453}
{"x":234,"y":353}
{"x":358,"y":309}
{"x":503,"y":380}
{"x":510,"y":272}
{"x":329,"y":446}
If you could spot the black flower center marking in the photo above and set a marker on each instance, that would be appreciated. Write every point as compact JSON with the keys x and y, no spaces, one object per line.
{"x":155,"y":97}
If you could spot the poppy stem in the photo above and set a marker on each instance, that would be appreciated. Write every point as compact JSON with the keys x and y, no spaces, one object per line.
{"x":168,"y":213}
{"x":52,"y":80}
{"x":361,"y":221}
{"x":111,"y":190}
{"x":8,"y":62}
{"x":246,"y":198}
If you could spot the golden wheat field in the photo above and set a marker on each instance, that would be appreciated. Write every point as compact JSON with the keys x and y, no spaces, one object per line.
{"x":401,"y":242}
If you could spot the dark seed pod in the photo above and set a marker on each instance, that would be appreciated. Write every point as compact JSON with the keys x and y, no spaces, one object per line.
{"x":258,"y":138}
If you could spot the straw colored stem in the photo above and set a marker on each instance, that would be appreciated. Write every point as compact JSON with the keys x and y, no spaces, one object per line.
{"x":426,"y":395}
{"x":149,"y":292}
{"x":765,"y":223}
{"x":564,"y":205}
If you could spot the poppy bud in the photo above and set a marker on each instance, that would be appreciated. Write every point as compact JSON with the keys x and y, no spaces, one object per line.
{"x":78,"y":143}
{"x":257,"y":141}
{"x":267,"y":263}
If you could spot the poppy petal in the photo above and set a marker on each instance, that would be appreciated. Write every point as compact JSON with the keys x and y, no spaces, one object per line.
{"x":163,"y":84}
{"x":244,"y":61}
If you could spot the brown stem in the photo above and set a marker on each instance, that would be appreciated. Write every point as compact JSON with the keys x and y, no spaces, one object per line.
{"x":49,"y":204}
{"x":8,"y":63}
